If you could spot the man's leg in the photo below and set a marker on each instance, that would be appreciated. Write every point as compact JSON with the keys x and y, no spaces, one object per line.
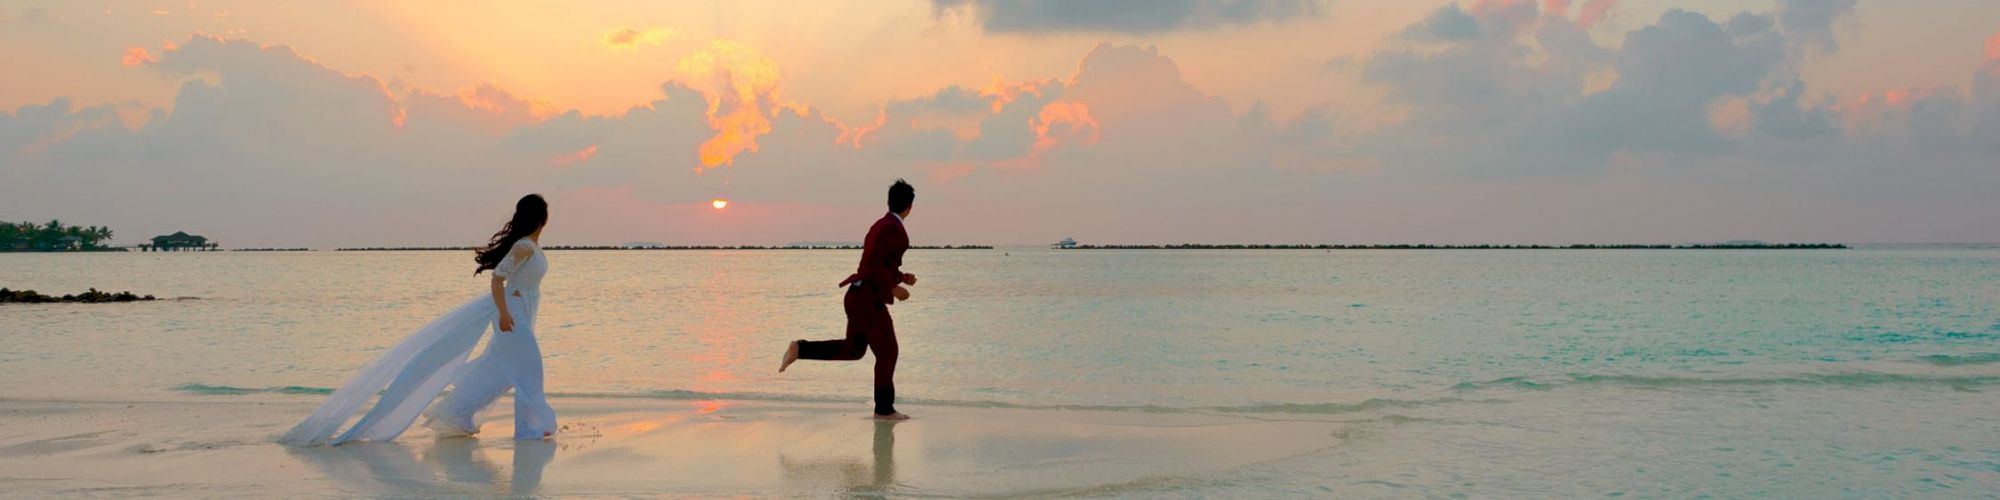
{"x":882,"y":339}
{"x":846,"y":349}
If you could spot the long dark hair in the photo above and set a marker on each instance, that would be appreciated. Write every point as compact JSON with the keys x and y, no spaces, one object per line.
{"x":529,"y":215}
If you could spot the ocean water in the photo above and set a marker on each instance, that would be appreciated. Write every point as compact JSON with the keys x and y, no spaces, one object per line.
{"x":1845,"y":373}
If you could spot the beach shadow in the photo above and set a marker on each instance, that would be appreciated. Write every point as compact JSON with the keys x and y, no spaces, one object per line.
{"x":853,"y":476}
{"x":446,"y":466}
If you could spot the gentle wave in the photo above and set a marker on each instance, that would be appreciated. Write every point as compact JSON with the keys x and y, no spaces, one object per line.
{"x":1857,"y":379}
{"x":223,"y":390}
{"x":1961,"y":359}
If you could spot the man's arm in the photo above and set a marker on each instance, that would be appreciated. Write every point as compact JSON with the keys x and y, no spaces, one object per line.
{"x":886,"y":261}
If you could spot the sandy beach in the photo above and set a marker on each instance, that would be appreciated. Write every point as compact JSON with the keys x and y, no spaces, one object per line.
{"x":616,"y":447}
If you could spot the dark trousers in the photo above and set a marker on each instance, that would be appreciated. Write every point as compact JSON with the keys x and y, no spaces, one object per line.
{"x":868,"y":328}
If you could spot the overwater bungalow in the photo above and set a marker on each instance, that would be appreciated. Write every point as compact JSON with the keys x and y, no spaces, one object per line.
{"x":179,"y":241}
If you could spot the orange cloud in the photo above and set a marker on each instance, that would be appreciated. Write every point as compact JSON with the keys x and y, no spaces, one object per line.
{"x":742,"y":108}
{"x":1872,"y":108}
{"x":493,"y":99}
{"x":1060,"y":121}
{"x":136,"y":55}
{"x":629,"y":38}
{"x":574,"y":158}
{"x":1004,"y":93}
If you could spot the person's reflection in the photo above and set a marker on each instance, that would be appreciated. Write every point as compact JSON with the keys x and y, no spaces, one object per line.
{"x":885,"y":455}
{"x":459,"y":462}
{"x":854,"y":476}
{"x":530,"y":457}
{"x":396,"y":468}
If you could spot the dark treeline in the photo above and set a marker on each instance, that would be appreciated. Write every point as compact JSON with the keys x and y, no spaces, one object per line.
{"x":92,"y":296}
{"x":677,"y":247}
{"x":52,"y":236}
{"x":1757,"y":246}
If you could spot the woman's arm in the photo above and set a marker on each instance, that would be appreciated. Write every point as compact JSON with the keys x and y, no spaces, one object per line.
{"x":500,"y":302}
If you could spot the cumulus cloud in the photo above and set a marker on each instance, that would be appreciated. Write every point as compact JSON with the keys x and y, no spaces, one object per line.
{"x":282,"y":150}
{"x":1448,"y":23}
{"x":1125,"y":16}
{"x":1786,"y":114}
{"x":1505,"y":88}
{"x":1813,"y":21}
{"x":268,"y":142}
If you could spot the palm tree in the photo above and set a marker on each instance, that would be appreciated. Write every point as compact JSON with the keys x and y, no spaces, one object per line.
{"x":87,"y":237}
{"x":45,"y":237}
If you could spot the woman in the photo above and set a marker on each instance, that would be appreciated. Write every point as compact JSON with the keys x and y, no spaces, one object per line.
{"x":421,"y":365}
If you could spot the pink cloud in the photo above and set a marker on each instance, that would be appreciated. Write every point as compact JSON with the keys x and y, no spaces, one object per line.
{"x":574,"y":158}
{"x":1993,"y":47}
{"x":1555,"y":7}
{"x":1595,"y":11}
{"x":136,"y":55}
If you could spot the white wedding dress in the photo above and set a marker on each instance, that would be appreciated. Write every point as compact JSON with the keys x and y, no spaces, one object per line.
{"x":418,"y":368}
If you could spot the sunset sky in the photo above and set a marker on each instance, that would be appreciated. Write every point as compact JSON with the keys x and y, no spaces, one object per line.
{"x":324,"y":124}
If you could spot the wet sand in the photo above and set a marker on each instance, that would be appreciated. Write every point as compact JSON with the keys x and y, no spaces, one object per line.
{"x":215,"y":447}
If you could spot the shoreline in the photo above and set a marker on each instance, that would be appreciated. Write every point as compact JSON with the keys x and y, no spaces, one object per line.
{"x":1768,"y":246}
{"x":215,"y":447}
{"x":1188,"y":246}
{"x":656,"y":248}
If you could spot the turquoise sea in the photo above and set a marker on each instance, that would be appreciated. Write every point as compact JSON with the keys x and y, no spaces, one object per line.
{"x":1869,"y":372}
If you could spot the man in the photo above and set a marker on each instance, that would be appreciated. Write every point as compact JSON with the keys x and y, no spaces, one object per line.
{"x":877,"y":283}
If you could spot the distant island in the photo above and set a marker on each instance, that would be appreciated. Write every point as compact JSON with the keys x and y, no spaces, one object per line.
{"x":1696,"y":246}
{"x":665,"y":247}
{"x":54,"y":236}
{"x":93,"y":296}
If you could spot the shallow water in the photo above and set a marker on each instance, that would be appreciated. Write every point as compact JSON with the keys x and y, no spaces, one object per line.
{"x":1516,"y":373}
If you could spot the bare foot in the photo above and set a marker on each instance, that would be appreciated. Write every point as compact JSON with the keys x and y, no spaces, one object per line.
{"x":897,"y":416}
{"x":791,"y":354}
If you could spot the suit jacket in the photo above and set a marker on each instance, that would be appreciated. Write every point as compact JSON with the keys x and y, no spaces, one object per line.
{"x":882,"y":258}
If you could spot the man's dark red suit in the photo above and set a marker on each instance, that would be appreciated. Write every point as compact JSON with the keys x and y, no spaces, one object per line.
{"x":869,"y":326}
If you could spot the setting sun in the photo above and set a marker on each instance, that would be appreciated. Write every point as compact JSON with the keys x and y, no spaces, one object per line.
{"x":719,"y":203}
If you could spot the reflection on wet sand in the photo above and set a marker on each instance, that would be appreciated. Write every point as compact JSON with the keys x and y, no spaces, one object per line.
{"x":445,"y":466}
{"x":852,"y":475}
{"x":649,"y":448}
